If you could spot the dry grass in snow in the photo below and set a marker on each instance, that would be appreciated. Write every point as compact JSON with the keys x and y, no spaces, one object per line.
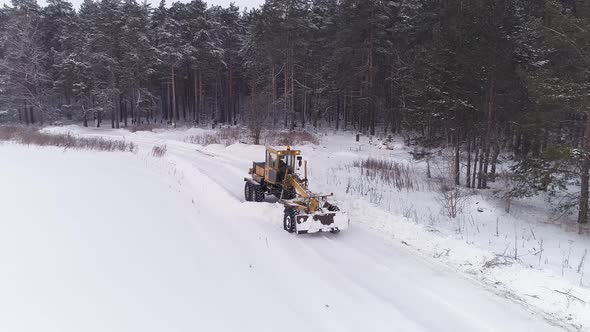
{"x":290,"y":138}
{"x":229,"y":136}
{"x":32,"y":136}
{"x":145,"y":127}
{"x":159,"y":151}
{"x":393,"y":173}
{"x":223,"y":136}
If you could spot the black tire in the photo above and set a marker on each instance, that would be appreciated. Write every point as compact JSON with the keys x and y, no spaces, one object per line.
{"x":258,"y":193}
{"x":248,"y":191}
{"x":289,"y":218}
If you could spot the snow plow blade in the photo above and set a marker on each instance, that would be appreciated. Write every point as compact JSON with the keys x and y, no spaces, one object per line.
{"x":321,"y":222}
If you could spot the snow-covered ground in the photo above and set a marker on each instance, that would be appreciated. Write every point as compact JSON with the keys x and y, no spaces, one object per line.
{"x":128,"y":242}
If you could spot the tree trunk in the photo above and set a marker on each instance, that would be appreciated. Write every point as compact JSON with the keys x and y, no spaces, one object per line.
{"x":168,"y":104}
{"x":25,"y":112}
{"x":583,"y":206}
{"x":490,"y":132}
{"x":476,"y":148}
{"x":185,"y":101}
{"x":484,"y":182}
{"x":134,"y":116}
{"x":345,"y":110}
{"x":196,"y":98}
{"x":218,"y":117}
{"x":468,"y":171}
{"x":304,"y":89}
{"x":31,"y":115}
{"x":480,"y":174}
{"x":201,"y":97}
{"x":173,"y":99}
{"x":118,"y":112}
{"x":274,"y":84}
{"x":370,"y":76}
{"x":494,"y":161}
{"x":457,"y":162}
{"x":337,"y":112}
{"x":230,"y":96}
{"x":286,"y":94}
{"x":292,"y":97}
{"x":585,"y":175}
{"x":125,"y":114}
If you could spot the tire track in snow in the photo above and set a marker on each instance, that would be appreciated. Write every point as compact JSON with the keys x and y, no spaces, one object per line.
{"x":210,"y":167}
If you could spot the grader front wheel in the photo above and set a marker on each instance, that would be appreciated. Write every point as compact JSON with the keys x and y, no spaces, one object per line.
{"x":289,"y":220}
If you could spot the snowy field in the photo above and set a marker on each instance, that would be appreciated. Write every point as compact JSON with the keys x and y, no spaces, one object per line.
{"x":128,"y":242}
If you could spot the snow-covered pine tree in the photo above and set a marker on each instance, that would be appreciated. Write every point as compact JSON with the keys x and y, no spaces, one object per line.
{"x":136,"y":64}
{"x":25,"y":84}
{"x":555,"y":154}
{"x":58,"y":27}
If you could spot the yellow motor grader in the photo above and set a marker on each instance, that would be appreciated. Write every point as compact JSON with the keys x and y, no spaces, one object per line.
{"x":305,"y":212}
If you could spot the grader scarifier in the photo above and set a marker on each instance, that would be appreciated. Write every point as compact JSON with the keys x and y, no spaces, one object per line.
{"x":304,"y":211}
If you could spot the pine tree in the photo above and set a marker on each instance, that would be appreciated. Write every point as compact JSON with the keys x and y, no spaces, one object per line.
{"x":24,"y":81}
{"x":558,"y":86}
{"x":137,"y":57}
{"x":169,"y":52}
{"x":58,"y":26}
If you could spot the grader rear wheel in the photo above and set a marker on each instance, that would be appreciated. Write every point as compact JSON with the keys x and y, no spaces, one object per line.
{"x":248,"y":192}
{"x":258,"y":193}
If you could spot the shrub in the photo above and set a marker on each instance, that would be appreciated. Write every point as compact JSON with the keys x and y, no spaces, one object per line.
{"x":225,"y":136}
{"x":231,"y":135}
{"x":159,"y":151}
{"x":452,"y":200}
{"x":144,"y":127}
{"x":293,"y":137}
{"x":204,"y":139}
{"x":399,"y":175}
{"x":32,"y":136}
{"x":9,"y":133}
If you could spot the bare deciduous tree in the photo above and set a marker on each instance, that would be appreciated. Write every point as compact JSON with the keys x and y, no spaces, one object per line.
{"x":257,"y":116}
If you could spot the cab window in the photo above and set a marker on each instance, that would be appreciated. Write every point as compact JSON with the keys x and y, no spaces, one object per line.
{"x":270,"y":159}
{"x":288,"y":160}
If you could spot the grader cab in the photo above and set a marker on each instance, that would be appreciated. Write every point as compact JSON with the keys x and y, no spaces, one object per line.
{"x":280,"y":175}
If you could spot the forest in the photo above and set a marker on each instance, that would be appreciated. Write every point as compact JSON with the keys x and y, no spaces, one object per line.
{"x":492,"y":81}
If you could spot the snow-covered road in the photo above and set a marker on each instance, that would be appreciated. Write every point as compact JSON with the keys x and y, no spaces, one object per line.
{"x":117,"y":242}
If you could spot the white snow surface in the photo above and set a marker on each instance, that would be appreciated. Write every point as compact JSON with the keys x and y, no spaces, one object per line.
{"x":128,"y":242}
